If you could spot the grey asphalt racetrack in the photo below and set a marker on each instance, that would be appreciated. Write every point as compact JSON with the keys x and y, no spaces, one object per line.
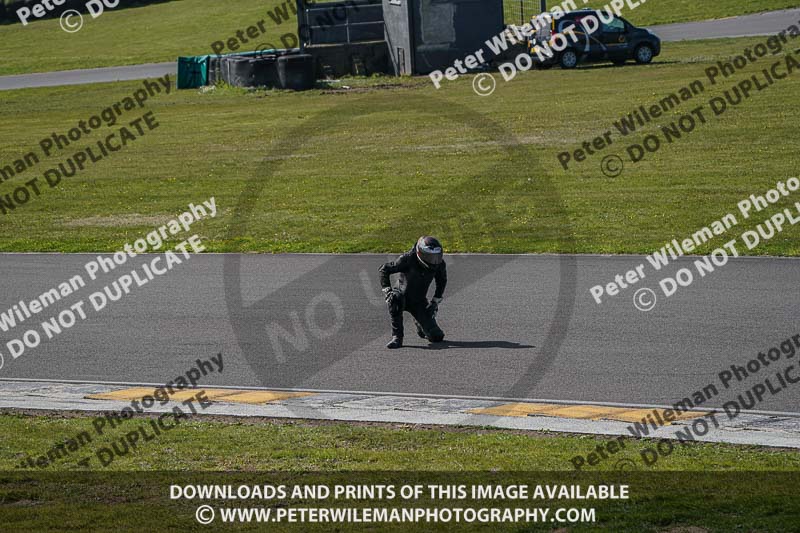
{"x":747,"y":25}
{"x":91,"y":75}
{"x":318,"y":322}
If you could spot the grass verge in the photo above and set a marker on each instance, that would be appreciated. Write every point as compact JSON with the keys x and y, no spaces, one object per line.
{"x":233,"y":444}
{"x":714,"y":487}
{"x":669,"y":11}
{"x":368,"y":165}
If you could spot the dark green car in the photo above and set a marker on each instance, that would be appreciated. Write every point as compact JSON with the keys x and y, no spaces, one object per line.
{"x":599,"y":37}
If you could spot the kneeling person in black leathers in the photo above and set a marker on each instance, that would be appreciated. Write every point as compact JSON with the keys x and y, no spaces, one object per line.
{"x":417,"y":268}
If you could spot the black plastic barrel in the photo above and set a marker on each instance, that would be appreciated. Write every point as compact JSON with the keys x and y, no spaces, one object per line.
{"x":225,"y":69}
{"x":265,"y":71}
{"x":213,"y":70}
{"x":296,"y":72}
{"x":241,"y":72}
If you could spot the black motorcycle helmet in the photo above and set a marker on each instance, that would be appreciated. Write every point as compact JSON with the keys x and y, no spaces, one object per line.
{"x":429,"y":251}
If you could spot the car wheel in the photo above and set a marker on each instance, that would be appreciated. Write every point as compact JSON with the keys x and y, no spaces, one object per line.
{"x":568,"y":59}
{"x":644,"y":54}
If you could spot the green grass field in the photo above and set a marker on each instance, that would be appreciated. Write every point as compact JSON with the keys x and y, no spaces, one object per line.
{"x":163,"y":32}
{"x":160,"y":32}
{"x":669,"y":11}
{"x":714,"y":487}
{"x":351,"y":170}
{"x":329,"y":447}
{"x":369,"y":165}
{"x":654,"y":12}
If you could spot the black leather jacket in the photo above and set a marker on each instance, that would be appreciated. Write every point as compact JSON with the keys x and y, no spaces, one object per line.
{"x":415,"y":278}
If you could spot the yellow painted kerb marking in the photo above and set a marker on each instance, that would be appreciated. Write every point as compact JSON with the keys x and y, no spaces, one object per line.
{"x":261,"y":396}
{"x":215,"y":395}
{"x":584,"y":412}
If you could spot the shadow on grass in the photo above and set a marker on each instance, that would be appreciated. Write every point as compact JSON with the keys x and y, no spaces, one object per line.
{"x":601,"y":66}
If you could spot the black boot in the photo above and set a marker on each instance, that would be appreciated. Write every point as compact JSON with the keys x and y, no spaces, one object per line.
{"x":396,"y":342}
{"x":437,"y":335}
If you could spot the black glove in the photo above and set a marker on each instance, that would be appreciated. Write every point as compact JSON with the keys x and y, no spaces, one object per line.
{"x":433,"y":307}
{"x":390,"y":295}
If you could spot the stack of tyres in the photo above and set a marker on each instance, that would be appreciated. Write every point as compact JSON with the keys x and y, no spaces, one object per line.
{"x":241,"y":72}
{"x":228,"y":70}
{"x":225,"y":70}
{"x":292,"y":71}
{"x":249,"y":71}
{"x":296,"y":72}
{"x":265,"y":71}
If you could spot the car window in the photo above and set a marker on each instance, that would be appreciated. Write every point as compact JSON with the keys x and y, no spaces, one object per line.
{"x":567,"y":24}
{"x":580,"y":26}
{"x":615,"y":26}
